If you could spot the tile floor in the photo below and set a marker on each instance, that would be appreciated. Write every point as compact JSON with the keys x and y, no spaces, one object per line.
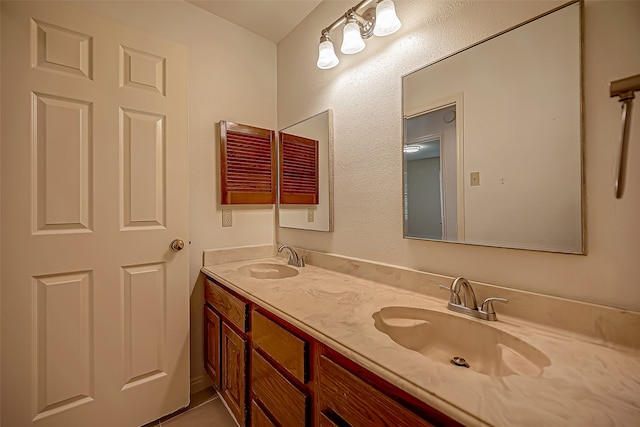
{"x":205,"y":410}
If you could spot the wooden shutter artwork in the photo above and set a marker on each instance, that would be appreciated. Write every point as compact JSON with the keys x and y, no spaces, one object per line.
{"x":298,"y":170}
{"x":247,"y":164}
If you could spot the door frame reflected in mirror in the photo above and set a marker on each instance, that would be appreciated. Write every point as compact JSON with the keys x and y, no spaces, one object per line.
{"x":452,"y":188}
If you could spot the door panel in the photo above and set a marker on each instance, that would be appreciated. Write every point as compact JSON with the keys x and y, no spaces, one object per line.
{"x":62,"y":164}
{"x":94,"y":188}
{"x":212,"y":334}
{"x":234,"y":356}
{"x":63,"y":333}
{"x":144,"y":330}
{"x":142,"y":144}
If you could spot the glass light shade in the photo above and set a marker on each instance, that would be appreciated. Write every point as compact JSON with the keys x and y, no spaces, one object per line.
{"x":411,"y":148}
{"x":352,"y":40}
{"x":387,"y":21}
{"x":326,"y":55}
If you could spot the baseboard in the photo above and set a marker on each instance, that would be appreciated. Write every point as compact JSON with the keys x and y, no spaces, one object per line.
{"x":200,"y":383}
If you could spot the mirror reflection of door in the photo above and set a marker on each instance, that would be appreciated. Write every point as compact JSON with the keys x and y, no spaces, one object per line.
{"x":431,"y":175}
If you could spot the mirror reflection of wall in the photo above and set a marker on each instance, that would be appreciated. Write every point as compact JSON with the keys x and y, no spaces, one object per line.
{"x":519,"y":148}
{"x":316,"y":217}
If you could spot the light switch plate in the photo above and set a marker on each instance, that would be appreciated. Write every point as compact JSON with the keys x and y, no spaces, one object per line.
{"x":226,"y":218}
{"x":311,"y":215}
{"x":475,"y":179}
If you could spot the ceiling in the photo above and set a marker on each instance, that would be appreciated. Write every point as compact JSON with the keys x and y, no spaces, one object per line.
{"x":271,"y":19}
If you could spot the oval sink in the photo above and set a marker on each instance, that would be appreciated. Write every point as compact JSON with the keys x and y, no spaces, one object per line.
{"x":442,"y":337}
{"x":268,"y":271}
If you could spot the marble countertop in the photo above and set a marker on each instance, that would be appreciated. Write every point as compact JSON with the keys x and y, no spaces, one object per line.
{"x":586,"y":384}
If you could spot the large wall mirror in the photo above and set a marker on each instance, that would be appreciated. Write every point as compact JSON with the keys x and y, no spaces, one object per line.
{"x":493,"y":140}
{"x":316,"y":215}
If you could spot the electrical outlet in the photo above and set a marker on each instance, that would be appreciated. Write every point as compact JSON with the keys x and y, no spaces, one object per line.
{"x":226,"y":218}
{"x":475,"y":179}
{"x":311,"y":215}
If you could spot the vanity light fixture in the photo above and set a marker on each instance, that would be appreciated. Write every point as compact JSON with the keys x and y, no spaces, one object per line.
{"x":387,"y":21}
{"x":326,"y":55}
{"x":381,"y":21}
{"x":351,"y":38}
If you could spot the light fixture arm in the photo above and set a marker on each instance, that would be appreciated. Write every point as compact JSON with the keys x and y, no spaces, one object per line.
{"x":343,"y":19}
{"x":325,"y":36}
{"x":366,"y":21}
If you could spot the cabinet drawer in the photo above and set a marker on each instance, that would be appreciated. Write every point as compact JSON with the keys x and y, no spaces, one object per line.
{"x":282,"y":399}
{"x":358,"y":403}
{"x":258,"y":417}
{"x":284,"y":347}
{"x":324,"y":421}
{"x":232,"y":308}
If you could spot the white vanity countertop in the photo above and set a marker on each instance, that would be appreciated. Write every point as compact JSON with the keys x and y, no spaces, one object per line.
{"x":587,"y":384}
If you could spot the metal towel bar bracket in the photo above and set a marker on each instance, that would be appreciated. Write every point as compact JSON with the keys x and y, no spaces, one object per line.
{"x":624,"y":88}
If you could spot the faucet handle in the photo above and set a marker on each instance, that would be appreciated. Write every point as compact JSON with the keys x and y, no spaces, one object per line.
{"x":487,"y":305}
{"x":301,"y":262}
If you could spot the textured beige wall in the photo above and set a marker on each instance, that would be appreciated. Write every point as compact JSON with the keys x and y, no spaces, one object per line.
{"x":232,"y":76}
{"x":364,"y":91}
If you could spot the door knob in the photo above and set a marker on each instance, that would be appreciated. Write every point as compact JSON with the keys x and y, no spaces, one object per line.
{"x":176,"y":245}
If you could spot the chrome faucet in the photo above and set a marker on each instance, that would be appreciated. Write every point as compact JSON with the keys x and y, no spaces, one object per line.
{"x":468,"y":299}
{"x":467,"y":304}
{"x":294,"y":259}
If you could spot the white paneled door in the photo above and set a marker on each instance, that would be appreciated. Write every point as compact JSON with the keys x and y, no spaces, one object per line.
{"x":94,"y":190}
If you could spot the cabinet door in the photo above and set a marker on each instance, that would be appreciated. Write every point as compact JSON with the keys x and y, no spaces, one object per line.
{"x":212,"y":345}
{"x":234,"y":357}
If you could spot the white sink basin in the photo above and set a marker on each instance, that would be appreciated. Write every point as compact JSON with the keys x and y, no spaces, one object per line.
{"x":442,"y":337}
{"x":268,"y":271}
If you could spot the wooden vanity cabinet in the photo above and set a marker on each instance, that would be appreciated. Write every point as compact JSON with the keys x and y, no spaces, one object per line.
{"x":349,"y":395}
{"x":325,"y":421}
{"x":226,"y":346}
{"x":272,"y":374}
{"x":280,"y":370}
{"x":259,"y":418}
{"x":357,"y":403}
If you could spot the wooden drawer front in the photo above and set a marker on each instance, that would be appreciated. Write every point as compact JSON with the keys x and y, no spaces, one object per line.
{"x":358,"y":403}
{"x":234,"y":355}
{"x":283,"y":400}
{"x":212,"y":345}
{"x":284,"y":347}
{"x":228,"y":305}
{"x":258,"y":417}
{"x":324,"y":421}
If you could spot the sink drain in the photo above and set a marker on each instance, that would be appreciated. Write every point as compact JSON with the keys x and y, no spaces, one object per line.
{"x":459,"y":361}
